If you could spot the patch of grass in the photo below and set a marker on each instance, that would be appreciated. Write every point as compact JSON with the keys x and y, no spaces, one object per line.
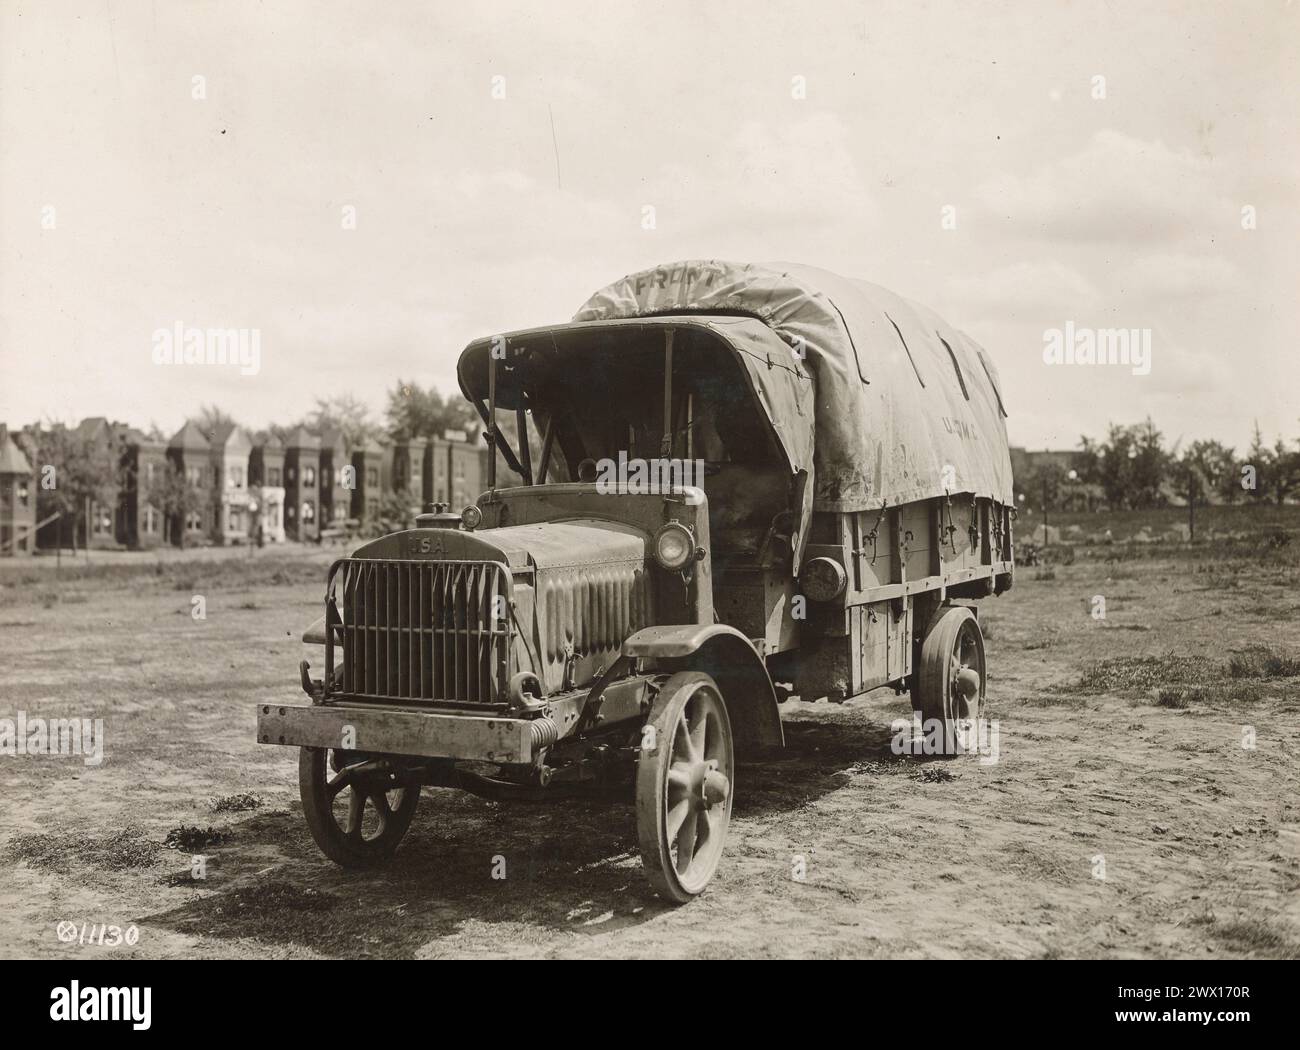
{"x":934,"y":774}
{"x":192,"y":839}
{"x":873,"y":768}
{"x":1262,"y":661}
{"x":274,"y":898}
{"x":125,"y":850}
{"x":1254,"y":935}
{"x":1133,"y":674}
{"x":240,"y":803}
{"x":1217,"y":693}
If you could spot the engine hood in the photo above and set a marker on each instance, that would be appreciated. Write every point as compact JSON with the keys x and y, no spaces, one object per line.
{"x":589,"y":590}
{"x":569,"y":544}
{"x":546,"y":545}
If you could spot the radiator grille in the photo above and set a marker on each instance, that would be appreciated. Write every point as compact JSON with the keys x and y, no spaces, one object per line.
{"x":436,"y":631}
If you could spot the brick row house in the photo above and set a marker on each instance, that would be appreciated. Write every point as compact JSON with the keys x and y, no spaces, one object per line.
{"x":144,"y":464}
{"x":368,"y":472}
{"x":231,"y":511}
{"x":405,"y":458}
{"x":17,"y":498}
{"x":266,"y":489}
{"x":190,"y":454}
{"x":337,"y":480}
{"x":302,"y":486}
{"x":242,"y":488}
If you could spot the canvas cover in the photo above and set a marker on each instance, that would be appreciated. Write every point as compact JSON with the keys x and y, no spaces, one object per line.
{"x":905,"y":406}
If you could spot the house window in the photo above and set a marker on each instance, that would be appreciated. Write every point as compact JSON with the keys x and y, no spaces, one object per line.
{"x":291,"y":473}
{"x":309,"y":476}
{"x":288,"y":512}
{"x":308,"y":512}
{"x":372,"y":478}
{"x":148,"y":472}
{"x":149,"y":522}
{"x":273,"y":476}
{"x":235,"y":478}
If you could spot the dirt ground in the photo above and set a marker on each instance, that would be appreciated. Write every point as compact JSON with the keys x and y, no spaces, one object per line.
{"x":1123,"y":752}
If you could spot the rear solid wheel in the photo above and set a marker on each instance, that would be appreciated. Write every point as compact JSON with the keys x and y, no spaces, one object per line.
{"x":356,"y":813}
{"x":684,"y":784}
{"x":952,"y":679}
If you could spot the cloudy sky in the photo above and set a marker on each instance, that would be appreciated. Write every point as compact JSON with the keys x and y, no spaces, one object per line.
{"x":128,"y":204}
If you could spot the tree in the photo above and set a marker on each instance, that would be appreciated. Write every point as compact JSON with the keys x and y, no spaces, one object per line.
{"x":346,"y":413}
{"x":1259,"y":456}
{"x":172,"y":493}
{"x":1283,"y":476}
{"x":210,"y":418}
{"x":415,"y":412}
{"x":71,"y":473}
{"x":1043,"y":484}
{"x":1211,"y":468}
{"x":1131,"y":465}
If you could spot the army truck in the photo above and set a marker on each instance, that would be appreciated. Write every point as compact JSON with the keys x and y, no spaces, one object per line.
{"x":725,"y":484}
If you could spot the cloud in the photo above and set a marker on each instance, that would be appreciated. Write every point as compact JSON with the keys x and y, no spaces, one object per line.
{"x":1117,"y":188}
{"x":1023,"y":290}
{"x":1178,"y":275}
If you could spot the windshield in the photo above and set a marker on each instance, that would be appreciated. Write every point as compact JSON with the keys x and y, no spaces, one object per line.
{"x":602,"y":399}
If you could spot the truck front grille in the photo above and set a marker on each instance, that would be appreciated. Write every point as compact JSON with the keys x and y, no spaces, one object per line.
{"x":436,"y":631}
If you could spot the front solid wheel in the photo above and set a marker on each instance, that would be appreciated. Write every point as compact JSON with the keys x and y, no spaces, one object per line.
{"x":952,"y":679}
{"x":357,"y":813}
{"x":685,"y":779}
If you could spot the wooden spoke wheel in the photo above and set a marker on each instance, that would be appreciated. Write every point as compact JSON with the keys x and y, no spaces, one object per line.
{"x":952,"y":678}
{"x":356,"y":810}
{"x":684,"y":784}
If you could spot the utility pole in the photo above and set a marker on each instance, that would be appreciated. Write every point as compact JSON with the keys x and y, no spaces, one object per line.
{"x":1191,"y":504}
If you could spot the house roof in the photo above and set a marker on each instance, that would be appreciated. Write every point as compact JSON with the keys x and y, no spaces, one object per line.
{"x":302,"y":438}
{"x":12,"y":460}
{"x":89,"y":426}
{"x":189,"y":439}
{"x":332,"y":437}
{"x":226,"y":434}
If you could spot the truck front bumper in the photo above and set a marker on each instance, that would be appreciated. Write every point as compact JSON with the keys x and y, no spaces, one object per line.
{"x":391,"y":730}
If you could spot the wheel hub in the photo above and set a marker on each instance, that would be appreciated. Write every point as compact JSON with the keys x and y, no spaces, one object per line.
{"x":714,"y":786}
{"x":967,"y":682}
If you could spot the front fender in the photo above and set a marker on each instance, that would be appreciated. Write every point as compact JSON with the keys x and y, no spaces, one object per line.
{"x":315,"y":634}
{"x":731,"y":660}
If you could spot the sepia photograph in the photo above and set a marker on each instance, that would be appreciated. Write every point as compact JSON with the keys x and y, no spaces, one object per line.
{"x":662,"y":481}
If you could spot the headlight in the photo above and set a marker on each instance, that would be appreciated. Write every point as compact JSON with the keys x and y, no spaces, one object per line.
{"x":471,"y":517}
{"x":674,"y":546}
{"x":823,"y":579}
